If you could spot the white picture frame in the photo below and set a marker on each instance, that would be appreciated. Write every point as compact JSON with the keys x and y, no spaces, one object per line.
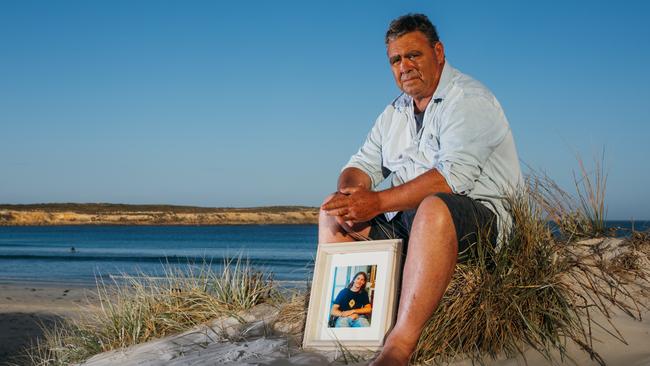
{"x":384,"y":257}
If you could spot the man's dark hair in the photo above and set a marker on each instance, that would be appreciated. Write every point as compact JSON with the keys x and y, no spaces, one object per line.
{"x":365,"y":278}
{"x":411,"y":23}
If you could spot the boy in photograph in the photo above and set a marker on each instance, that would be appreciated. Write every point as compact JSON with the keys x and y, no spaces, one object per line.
{"x":352,"y":305}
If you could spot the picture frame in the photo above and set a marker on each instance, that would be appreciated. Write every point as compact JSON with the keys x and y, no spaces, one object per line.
{"x":338,"y":263}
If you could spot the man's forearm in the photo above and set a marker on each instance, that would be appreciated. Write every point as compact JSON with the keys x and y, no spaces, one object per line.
{"x":363,"y":311}
{"x":353,"y":177}
{"x":357,"y":203}
{"x":409,"y":195}
{"x":336,"y":310}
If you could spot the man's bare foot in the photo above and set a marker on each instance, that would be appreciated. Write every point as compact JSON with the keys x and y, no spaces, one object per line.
{"x":392,"y":356}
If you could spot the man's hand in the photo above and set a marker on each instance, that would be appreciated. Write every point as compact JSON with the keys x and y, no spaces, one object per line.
{"x":350,"y":314}
{"x":353,"y":205}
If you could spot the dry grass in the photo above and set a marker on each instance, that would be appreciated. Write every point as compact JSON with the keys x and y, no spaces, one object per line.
{"x":495,"y":305}
{"x":144,"y":308}
{"x":542,"y":288}
{"x":293,"y":313}
{"x":240,"y":287}
{"x":579,"y":217}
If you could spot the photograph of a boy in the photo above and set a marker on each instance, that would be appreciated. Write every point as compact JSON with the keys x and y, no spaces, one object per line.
{"x":352,"y":306}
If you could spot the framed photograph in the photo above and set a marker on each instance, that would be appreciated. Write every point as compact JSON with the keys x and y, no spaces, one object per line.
{"x":353,"y":298}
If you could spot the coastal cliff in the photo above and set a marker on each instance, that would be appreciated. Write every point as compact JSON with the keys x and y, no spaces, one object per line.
{"x":121,"y":214}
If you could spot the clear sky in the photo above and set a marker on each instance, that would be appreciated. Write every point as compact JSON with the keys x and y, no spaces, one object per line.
{"x":261,"y":103}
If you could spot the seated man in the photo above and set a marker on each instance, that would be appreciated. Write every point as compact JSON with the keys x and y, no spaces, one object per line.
{"x":352,"y":304}
{"x":447,"y":148}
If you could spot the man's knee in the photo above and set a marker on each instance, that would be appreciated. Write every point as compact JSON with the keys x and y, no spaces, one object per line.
{"x":362,"y":322}
{"x":433,"y":219}
{"x":342,"y":322}
{"x":435,"y":210}
{"x":334,"y":229}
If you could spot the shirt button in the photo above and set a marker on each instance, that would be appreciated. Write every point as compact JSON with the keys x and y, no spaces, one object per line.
{"x":400,"y":156}
{"x":431,"y":136}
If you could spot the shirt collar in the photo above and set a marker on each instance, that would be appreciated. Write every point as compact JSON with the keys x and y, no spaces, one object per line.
{"x":445,"y":81}
{"x":405,"y":101}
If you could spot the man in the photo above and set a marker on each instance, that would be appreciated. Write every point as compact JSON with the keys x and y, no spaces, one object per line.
{"x":352,"y":304}
{"x":447,"y":148}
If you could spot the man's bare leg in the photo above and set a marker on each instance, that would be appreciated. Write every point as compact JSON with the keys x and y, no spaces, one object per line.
{"x":430,"y":263}
{"x":331,"y":231}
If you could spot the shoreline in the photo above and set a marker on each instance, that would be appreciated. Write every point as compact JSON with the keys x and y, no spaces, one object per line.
{"x":17,"y":282}
{"x":27,"y":284}
{"x":41,"y":296}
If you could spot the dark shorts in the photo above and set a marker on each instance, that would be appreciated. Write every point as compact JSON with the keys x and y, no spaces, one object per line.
{"x":471,"y":219}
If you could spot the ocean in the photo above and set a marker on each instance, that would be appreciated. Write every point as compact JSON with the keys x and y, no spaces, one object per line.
{"x":81,"y":254}
{"x":46,"y":254}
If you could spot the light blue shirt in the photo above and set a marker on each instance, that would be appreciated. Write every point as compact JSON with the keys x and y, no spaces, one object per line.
{"x":465,"y":136}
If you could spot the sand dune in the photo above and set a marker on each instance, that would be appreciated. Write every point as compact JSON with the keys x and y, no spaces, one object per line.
{"x":23,"y":309}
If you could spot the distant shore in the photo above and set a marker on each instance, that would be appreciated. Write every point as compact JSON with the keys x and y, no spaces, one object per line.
{"x":123,"y":214}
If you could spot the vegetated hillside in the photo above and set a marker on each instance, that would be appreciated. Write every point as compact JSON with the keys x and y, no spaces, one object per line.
{"x":124,"y":214}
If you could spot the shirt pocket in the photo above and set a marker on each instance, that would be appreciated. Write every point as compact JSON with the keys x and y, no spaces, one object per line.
{"x":391,"y":163}
{"x":431,"y":141}
{"x":430,"y":148}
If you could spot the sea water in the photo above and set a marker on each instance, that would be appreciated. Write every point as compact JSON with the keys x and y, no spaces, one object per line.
{"x":82,"y":254}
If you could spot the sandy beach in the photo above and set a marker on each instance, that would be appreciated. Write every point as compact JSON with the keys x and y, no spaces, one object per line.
{"x":634,"y":352}
{"x":25,"y":307}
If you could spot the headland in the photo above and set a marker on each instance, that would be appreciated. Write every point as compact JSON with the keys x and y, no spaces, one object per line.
{"x":124,"y":214}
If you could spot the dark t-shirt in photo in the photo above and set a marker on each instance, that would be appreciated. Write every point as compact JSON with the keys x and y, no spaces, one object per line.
{"x":348,"y":300}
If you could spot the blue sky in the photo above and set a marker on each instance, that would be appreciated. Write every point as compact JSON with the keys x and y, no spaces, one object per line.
{"x":261,"y":103}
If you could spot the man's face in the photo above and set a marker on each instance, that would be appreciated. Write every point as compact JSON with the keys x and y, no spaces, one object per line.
{"x":359,"y":282}
{"x":416,"y":65}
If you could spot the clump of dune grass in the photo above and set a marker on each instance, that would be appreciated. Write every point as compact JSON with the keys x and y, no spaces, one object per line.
{"x":579,"y":217}
{"x":540,"y":289}
{"x":144,"y":307}
{"x":293,"y":313}
{"x":499,"y":302}
{"x":240,"y":287}
{"x":61,"y":345}
{"x":591,"y":187}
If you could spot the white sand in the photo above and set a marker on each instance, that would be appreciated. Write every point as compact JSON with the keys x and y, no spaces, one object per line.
{"x":204,"y":346}
{"x":614,"y":352}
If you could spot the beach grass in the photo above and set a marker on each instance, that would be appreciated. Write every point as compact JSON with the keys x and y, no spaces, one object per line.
{"x":293,"y":312}
{"x":543,"y":286}
{"x":143,"y":308}
{"x":575,"y":217}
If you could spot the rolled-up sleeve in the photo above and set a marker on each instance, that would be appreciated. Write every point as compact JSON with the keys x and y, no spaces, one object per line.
{"x":368,"y":158}
{"x":474,"y":128}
